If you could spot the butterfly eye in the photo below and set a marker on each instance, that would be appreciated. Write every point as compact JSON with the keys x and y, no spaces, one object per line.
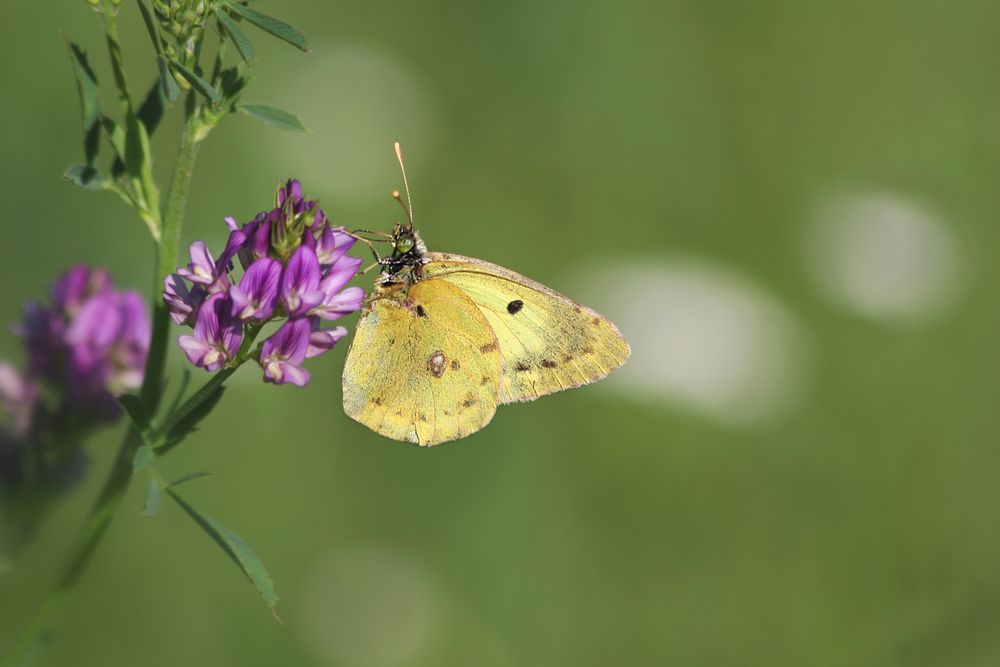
{"x":404,"y":245}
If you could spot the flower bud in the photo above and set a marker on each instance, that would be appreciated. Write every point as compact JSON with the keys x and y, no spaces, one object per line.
{"x":184,"y":19}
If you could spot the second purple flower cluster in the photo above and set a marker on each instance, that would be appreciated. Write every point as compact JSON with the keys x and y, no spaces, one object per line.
{"x":86,"y":347}
{"x":295,"y":269}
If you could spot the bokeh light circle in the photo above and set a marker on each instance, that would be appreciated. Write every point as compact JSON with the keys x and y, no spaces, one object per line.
{"x":703,"y":337}
{"x":884,"y":256}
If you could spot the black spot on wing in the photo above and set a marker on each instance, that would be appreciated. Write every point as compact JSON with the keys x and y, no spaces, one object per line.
{"x":420,"y":311}
{"x":515,"y":306}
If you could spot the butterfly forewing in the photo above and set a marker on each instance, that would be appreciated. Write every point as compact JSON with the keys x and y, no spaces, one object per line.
{"x":547,"y":342}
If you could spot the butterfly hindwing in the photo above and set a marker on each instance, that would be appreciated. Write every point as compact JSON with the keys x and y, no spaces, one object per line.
{"x":424,"y":365}
{"x":547,"y":342}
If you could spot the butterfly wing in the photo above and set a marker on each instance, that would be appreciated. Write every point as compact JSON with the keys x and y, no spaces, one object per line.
{"x":424,"y":365}
{"x":547,"y":342}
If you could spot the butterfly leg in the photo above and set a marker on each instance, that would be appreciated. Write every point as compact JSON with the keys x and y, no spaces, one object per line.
{"x":369,"y":242}
{"x":370,"y":267}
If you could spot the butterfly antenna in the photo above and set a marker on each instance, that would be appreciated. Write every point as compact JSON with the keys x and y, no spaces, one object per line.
{"x":406,"y":185}
{"x":369,"y":242}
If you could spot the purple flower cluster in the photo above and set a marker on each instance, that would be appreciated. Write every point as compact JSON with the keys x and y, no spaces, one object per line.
{"x":295,"y":269}
{"x":84,"y":349}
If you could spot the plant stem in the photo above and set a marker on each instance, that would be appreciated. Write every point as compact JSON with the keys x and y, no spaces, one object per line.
{"x":206,"y":392}
{"x":116,"y":485}
{"x":121,"y":472}
{"x":166,"y":261}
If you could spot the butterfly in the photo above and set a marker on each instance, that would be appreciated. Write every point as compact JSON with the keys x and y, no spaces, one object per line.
{"x":444,"y":339}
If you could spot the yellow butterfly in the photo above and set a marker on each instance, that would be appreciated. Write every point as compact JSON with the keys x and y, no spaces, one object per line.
{"x":444,"y":339}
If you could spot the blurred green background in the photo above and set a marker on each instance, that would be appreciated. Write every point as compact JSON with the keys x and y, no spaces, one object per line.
{"x":789,"y":207}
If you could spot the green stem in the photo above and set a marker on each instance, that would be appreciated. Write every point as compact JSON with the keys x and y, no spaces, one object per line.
{"x":28,"y":644}
{"x":110,"y":499}
{"x":206,"y":392}
{"x":121,"y":472}
{"x":166,"y":261}
{"x":97,"y":522}
{"x":117,"y":483}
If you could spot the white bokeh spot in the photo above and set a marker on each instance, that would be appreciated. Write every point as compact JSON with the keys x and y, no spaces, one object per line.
{"x":357,"y":101}
{"x":703,"y":338}
{"x":884,"y":256}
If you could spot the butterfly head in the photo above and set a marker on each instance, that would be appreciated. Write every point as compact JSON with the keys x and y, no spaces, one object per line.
{"x":407,"y":253}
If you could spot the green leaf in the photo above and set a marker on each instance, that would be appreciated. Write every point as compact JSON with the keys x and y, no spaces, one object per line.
{"x":145,"y":457}
{"x":116,"y":137}
{"x":191,"y":476}
{"x":279,"y":29}
{"x":136,"y":411}
{"x":273,"y":116}
{"x":179,"y":426}
{"x":154,"y":105}
{"x":137,"y":160}
{"x":168,"y":86}
{"x":86,"y":177}
{"x":150,"y":114}
{"x":243,"y":44}
{"x":152,"y":108}
{"x":185,"y":380}
{"x":152,"y":504}
{"x":238,"y":550}
{"x":90,"y":103}
{"x":232,"y":82}
{"x":146,"y":8}
{"x":198,"y":83}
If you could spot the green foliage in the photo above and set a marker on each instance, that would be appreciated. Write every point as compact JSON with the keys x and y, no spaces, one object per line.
{"x":136,"y":412}
{"x":279,"y":29}
{"x":190,"y":477}
{"x":243,"y":44}
{"x":90,"y":103}
{"x":273,"y":116}
{"x":185,"y":420}
{"x":234,"y":546}
{"x":179,"y":394}
{"x":167,"y":83}
{"x":144,"y":458}
{"x":199,"y":84}
{"x":86,"y":177}
{"x":152,"y":503}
